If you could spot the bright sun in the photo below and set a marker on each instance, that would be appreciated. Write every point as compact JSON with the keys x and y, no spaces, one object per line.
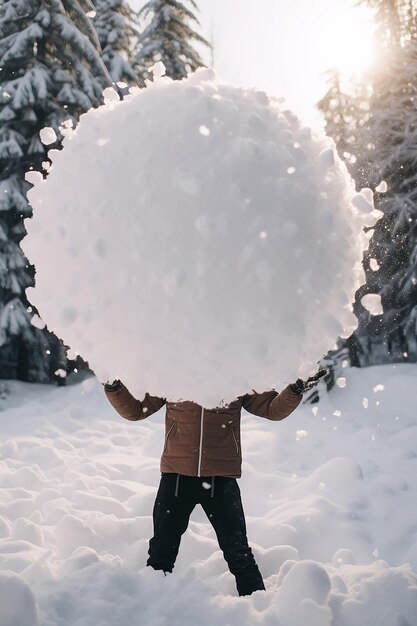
{"x":347,"y":40}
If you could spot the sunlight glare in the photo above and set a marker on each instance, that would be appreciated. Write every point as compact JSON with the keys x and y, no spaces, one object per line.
{"x":347,"y":41}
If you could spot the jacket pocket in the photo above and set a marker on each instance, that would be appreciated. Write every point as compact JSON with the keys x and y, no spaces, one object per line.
{"x":167,"y":435}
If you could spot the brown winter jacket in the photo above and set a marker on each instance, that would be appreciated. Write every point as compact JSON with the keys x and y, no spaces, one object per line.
{"x":199,"y":441}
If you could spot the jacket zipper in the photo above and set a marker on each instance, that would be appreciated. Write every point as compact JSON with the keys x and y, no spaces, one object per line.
{"x":167,"y":435}
{"x":201,"y":442}
{"x":234,"y":437}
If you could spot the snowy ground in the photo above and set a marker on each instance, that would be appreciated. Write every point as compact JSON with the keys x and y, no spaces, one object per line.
{"x":330,"y":498}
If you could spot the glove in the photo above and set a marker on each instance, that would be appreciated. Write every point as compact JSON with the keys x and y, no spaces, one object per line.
{"x":300,"y":386}
{"x":114,"y":386}
{"x":313,"y":380}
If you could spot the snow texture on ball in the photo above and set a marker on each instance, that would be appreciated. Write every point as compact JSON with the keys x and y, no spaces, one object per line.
{"x":197,"y":241}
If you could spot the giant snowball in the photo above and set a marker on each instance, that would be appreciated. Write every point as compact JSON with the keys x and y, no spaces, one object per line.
{"x":197,"y":241}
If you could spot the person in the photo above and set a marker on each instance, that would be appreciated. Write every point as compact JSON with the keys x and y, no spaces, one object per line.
{"x":200,"y":464}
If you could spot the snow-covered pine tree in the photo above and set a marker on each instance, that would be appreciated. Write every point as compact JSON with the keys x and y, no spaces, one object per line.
{"x":168,"y":37}
{"x":385,"y":148}
{"x":389,"y":19}
{"x":114,"y":22}
{"x":50,"y":72}
{"x":391,"y":262}
{"x":335,"y":106}
{"x":346,"y":114}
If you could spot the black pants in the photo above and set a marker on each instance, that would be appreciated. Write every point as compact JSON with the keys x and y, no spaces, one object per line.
{"x":220,"y":498}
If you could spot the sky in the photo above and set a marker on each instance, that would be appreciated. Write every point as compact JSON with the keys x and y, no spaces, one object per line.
{"x":284,"y":47}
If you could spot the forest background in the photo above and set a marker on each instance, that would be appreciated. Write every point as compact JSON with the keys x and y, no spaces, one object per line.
{"x":57,"y":57}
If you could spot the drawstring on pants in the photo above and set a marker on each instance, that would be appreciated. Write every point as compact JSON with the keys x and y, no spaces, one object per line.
{"x":177,"y":482}
{"x":212,"y":487}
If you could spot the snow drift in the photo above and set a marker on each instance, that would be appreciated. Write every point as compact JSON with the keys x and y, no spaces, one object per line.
{"x":197,"y":241}
{"x":330,"y":516}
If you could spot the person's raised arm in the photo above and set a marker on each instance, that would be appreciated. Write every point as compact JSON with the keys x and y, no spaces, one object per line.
{"x":129,"y":407}
{"x":277,"y":406}
{"x":271,"y":404}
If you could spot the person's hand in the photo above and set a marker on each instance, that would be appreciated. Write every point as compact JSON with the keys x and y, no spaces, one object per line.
{"x":313,"y":380}
{"x":300,"y":386}
{"x":297,"y":387}
{"x":114,"y":386}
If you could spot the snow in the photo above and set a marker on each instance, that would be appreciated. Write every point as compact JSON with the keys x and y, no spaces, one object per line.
{"x":158,"y":70}
{"x":47,"y":136}
{"x":17,"y":604}
{"x":382,"y":187}
{"x":329,"y":496}
{"x":372,"y":303}
{"x":218,"y":240}
{"x":37,"y":322}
